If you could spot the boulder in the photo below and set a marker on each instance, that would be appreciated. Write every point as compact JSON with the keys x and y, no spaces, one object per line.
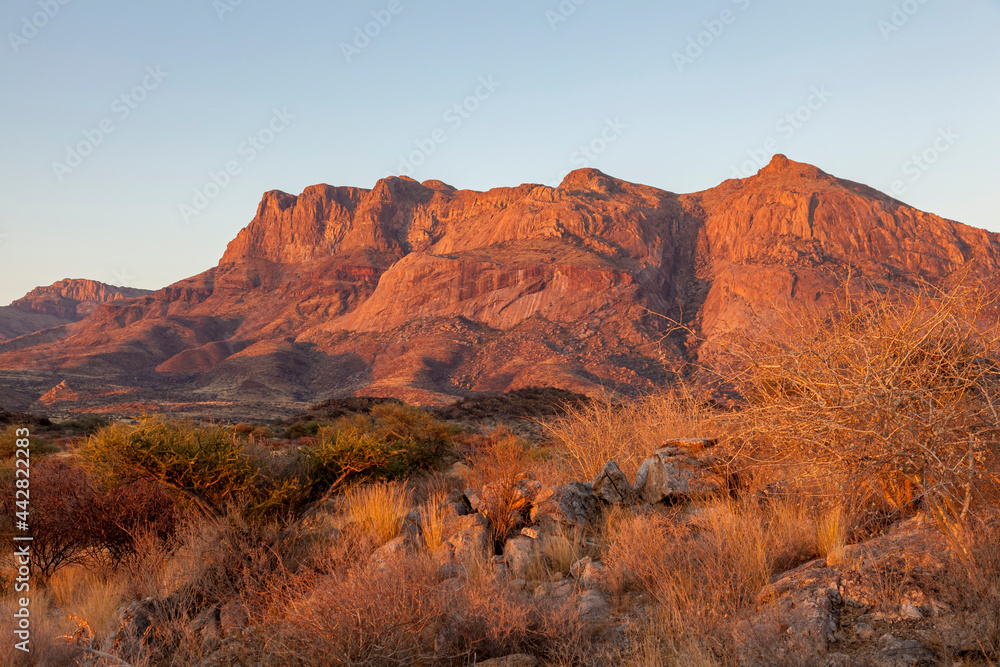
{"x":466,"y":538}
{"x":520,"y":554}
{"x":593,"y":607}
{"x":680,"y":470}
{"x":796,"y":617}
{"x":893,"y":652}
{"x":612,"y":486}
{"x":573,"y":505}
{"x":391,"y":552}
{"x":589,"y":573}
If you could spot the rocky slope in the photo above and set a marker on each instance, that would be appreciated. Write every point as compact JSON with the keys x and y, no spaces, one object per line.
{"x":428,"y":293}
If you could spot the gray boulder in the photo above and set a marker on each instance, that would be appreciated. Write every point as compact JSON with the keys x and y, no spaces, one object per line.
{"x":682,"y":469}
{"x":612,"y":486}
{"x":573,"y":505}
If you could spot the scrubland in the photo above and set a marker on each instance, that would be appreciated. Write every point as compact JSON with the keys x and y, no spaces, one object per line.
{"x":852,"y":518}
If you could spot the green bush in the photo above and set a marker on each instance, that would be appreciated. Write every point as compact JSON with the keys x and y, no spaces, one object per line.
{"x":210,"y":466}
{"x":393,"y":442}
{"x":89,"y":424}
{"x":38,"y":446}
{"x":306,"y":430}
{"x":220,"y":471}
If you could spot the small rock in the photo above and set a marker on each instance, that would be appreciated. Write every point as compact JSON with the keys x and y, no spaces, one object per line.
{"x":207,"y":625}
{"x":909,"y":612}
{"x":233,"y":618}
{"x":391,"y":552}
{"x":589,"y":573}
{"x":593,"y":607}
{"x":530,"y":532}
{"x":864,"y":631}
{"x":466,"y":537}
{"x":554,"y":590}
{"x":576,"y":569}
{"x":474,"y":499}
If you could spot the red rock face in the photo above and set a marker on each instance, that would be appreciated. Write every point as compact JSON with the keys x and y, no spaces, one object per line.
{"x":61,"y":303}
{"x":429,"y":293}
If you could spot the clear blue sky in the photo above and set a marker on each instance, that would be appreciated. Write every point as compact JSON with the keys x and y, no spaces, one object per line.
{"x":887,"y":95}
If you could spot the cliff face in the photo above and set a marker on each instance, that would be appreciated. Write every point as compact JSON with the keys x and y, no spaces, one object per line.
{"x":428,"y":293}
{"x":60,"y":303}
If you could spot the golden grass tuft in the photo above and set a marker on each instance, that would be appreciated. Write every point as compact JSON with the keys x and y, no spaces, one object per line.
{"x":831,"y":535}
{"x":89,"y":595}
{"x":379,"y":508}
{"x":432,"y":519}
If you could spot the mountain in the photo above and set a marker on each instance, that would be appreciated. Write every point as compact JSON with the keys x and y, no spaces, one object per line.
{"x":62,"y":303}
{"x":428,"y":293}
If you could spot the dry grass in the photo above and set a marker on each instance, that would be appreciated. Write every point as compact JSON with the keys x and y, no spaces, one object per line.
{"x":831,"y":535}
{"x":46,"y":628}
{"x":90,"y":596}
{"x":407,"y":615}
{"x":379,"y":508}
{"x":702,"y":570}
{"x":432,"y":518}
{"x":627,"y":433}
{"x":563,"y":547}
{"x":976,"y":576}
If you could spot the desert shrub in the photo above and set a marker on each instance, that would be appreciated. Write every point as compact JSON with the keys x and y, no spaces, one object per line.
{"x":119,"y":515}
{"x":62,"y":505}
{"x":393,"y":442}
{"x":73,"y":521}
{"x":896,"y":395}
{"x":243,"y":429}
{"x":219,"y":471}
{"x":209,"y":466}
{"x":499,"y":461}
{"x":89,"y":424}
{"x":262,"y":432}
{"x":303,"y":430}
{"x":37,"y":446}
{"x":597,"y":432}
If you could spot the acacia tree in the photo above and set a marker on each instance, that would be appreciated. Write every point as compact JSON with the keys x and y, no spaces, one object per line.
{"x":208,"y":466}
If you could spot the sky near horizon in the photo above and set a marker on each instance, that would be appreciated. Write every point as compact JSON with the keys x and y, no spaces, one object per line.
{"x":138,"y":138}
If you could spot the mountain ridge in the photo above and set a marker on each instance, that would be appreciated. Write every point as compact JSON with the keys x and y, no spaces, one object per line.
{"x":428,"y":293}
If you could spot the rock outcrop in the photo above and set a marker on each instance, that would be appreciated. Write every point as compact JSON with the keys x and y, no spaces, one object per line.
{"x":61,"y":303}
